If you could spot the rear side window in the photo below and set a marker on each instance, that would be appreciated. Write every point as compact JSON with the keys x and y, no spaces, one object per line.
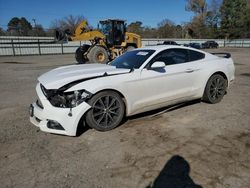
{"x":177,"y":56}
{"x":194,"y":55}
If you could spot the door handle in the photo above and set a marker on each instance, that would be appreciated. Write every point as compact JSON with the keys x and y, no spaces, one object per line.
{"x":189,"y":70}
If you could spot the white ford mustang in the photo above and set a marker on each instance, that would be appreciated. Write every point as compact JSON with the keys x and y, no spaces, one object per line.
{"x":138,"y":81}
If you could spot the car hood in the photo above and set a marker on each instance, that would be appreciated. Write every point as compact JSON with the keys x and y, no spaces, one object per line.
{"x":61,"y":76}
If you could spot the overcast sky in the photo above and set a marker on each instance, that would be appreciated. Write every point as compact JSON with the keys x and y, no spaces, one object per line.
{"x":150,"y":12}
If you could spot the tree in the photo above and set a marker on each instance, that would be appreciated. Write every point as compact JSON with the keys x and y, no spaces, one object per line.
{"x":196,"y":6}
{"x":68,"y":23}
{"x":13,"y":26}
{"x":233,"y":18}
{"x":166,"y":29}
{"x":135,"y":27}
{"x":246,"y":30}
{"x":179,"y":32}
{"x":212,"y":19}
{"x":19,"y":26}
{"x":2,"y":32}
{"x":149,"y":32}
{"x":38,"y":30}
{"x":197,"y":25}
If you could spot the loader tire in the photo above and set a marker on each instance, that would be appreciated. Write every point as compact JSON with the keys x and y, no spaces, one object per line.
{"x":98,"y":54}
{"x":79,"y":54}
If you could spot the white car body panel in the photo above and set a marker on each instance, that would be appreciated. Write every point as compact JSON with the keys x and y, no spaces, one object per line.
{"x":60,"y":115}
{"x":56,"y":78}
{"x":141,"y":88}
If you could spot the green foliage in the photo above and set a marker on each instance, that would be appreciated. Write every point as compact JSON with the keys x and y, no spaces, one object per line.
{"x":135,"y":27}
{"x":246,"y":28}
{"x":196,"y":6}
{"x":166,"y":29}
{"x":219,"y":18}
{"x":234,"y":15}
{"x":19,"y":26}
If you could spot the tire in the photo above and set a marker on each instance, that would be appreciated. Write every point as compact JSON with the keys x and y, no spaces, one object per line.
{"x":129,"y":48}
{"x":98,"y":54}
{"x":107,"y":111}
{"x":215,"y":89}
{"x":79,"y":54}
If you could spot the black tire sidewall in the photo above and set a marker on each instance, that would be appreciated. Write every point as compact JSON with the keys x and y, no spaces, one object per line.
{"x":79,"y":54}
{"x":207,"y":96}
{"x":93,"y":53}
{"x":89,"y":116}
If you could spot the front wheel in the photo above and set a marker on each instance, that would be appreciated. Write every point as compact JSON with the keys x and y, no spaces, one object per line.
{"x":107,"y":111}
{"x":215,"y":89}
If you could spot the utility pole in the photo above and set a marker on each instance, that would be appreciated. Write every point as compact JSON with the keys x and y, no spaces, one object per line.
{"x":34,"y":20}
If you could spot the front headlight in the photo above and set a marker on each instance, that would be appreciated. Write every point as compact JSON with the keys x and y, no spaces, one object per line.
{"x":69,"y":99}
{"x":77,"y":97}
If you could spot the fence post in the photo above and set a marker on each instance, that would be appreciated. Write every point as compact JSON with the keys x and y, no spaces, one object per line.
{"x":62,"y":47}
{"x":224,"y":43}
{"x":39,"y":48}
{"x":13,"y":47}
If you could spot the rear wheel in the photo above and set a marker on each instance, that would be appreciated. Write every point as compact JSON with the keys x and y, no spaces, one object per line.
{"x":98,"y":54}
{"x":215,"y":89}
{"x":79,"y":54}
{"x":107,"y":111}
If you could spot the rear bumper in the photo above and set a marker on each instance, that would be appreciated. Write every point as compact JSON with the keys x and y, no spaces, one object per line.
{"x":66,"y":118}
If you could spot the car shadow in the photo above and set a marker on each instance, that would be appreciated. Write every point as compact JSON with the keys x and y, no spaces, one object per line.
{"x":82,"y":127}
{"x":175,"y":174}
{"x":160,"y":111}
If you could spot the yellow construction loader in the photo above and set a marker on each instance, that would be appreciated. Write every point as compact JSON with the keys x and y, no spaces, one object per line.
{"x":106,"y":43}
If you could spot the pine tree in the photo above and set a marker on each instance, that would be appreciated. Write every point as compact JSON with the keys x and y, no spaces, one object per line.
{"x":233,"y":18}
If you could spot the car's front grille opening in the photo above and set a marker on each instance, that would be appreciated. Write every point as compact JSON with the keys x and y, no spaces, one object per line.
{"x":51,"y":124}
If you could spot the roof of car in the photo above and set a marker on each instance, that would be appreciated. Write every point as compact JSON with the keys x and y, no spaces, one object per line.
{"x":163,"y":47}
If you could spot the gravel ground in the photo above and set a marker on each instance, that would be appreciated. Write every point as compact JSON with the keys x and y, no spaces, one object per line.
{"x":194,"y":144}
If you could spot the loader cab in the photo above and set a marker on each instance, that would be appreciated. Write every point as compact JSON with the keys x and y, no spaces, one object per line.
{"x":114,"y":30}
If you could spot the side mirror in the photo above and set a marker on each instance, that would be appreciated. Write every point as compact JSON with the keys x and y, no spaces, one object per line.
{"x":158,"y":65}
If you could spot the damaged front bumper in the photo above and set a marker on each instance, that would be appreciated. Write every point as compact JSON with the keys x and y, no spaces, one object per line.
{"x":54,"y":119}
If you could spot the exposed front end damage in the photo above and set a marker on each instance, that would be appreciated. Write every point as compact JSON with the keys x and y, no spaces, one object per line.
{"x":58,"y":112}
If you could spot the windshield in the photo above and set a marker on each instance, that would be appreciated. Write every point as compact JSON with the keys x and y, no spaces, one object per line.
{"x":106,"y":27}
{"x":132,"y":59}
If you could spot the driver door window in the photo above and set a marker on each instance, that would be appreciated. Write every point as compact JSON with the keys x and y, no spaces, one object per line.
{"x":172,"y":56}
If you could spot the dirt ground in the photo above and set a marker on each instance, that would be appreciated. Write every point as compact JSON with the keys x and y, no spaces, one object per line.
{"x":191,"y":145}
